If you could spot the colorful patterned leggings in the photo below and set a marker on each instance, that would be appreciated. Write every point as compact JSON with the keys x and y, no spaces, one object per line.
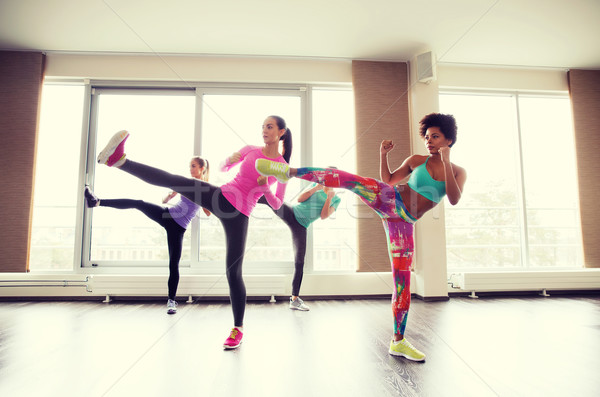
{"x":397,"y":222}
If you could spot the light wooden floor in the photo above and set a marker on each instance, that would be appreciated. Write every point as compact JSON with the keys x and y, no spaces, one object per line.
{"x":530,"y":346}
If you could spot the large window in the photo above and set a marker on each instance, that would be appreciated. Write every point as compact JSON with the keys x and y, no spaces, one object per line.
{"x":168,"y":126}
{"x":520,"y":204}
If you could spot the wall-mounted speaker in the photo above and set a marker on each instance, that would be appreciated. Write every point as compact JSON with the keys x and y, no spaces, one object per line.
{"x":425,"y":67}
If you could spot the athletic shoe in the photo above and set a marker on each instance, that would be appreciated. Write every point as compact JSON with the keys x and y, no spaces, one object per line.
{"x":91,"y":200}
{"x":298,"y":304}
{"x":234,"y":340}
{"x":273,"y":168}
{"x":404,"y":349}
{"x":171,"y":306}
{"x":113,"y":154}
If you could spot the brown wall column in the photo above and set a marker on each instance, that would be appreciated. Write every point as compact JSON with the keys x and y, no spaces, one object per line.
{"x":21,"y":77}
{"x":381,"y":106}
{"x":584,"y":87}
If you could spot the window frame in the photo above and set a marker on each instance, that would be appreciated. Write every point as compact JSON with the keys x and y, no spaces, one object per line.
{"x":83,"y":224}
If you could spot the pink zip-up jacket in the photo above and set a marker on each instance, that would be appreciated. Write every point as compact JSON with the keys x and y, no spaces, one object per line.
{"x":243,"y":191}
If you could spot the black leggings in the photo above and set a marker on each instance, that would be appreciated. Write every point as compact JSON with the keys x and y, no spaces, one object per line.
{"x":174,"y":231}
{"x":286,"y":213}
{"x":234,"y":223}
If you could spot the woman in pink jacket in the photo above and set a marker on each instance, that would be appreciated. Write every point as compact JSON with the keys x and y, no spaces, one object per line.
{"x":232,"y":203}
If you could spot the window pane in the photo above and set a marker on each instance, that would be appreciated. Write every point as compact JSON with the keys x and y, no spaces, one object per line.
{"x":483,"y":230}
{"x":548,"y":157}
{"x":230,"y":122}
{"x":55,"y":194}
{"x":335,"y":238}
{"x":162,"y":135}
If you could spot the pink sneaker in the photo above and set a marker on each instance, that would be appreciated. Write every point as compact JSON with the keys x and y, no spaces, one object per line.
{"x":234,"y":340}
{"x":113,"y":154}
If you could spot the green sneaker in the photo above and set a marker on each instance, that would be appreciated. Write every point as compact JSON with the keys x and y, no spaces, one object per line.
{"x":404,"y":349}
{"x":273,"y":168}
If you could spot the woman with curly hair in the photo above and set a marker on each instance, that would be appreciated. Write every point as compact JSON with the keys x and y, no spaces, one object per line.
{"x":400,"y":205}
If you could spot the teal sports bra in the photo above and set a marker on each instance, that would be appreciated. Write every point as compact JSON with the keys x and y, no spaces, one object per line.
{"x":421,"y":182}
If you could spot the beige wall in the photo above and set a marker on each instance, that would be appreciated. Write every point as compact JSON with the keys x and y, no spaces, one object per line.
{"x":205,"y":69}
{"x":430,"y":233}
{"x":501,"y":78}
{"x":378,"y":85}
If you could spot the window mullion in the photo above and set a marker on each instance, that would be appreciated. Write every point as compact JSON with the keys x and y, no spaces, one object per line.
{"x":307,"y":158}
{"x":90,"y":131}
{"x":195,"y":226}
{"x":521,"y":190}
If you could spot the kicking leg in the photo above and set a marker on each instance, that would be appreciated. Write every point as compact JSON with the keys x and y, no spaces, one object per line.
{"x":152,"y":211}
{"x":113,"y":155}
{"x":378,"y":195}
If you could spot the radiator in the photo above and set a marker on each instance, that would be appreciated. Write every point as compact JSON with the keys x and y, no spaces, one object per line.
{"x":155,"y":285}
{"x":16,"y":284}
{"x":189,"y":285}
{"x":588,"y":279}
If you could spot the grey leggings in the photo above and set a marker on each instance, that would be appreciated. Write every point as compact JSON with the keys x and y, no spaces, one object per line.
{"x":234,"y":223}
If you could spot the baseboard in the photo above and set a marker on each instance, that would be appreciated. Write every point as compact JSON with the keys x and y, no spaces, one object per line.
{"x":432,"y":298}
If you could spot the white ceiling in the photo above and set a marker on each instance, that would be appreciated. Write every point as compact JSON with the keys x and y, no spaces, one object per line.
{"x":535,"y":33}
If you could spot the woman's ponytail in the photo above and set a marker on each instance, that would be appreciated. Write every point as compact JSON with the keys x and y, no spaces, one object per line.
{"x":207,"y":170}
{"x":202,"y":163}
{"x":287,"y":145}
{"x":286,"y":138}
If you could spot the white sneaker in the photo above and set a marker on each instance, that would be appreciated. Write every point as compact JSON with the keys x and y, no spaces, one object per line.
{"x":298,"y":304}
{"x":171,"y":306}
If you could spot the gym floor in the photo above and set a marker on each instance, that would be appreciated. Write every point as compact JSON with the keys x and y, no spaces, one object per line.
{"x":492,"y":346}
